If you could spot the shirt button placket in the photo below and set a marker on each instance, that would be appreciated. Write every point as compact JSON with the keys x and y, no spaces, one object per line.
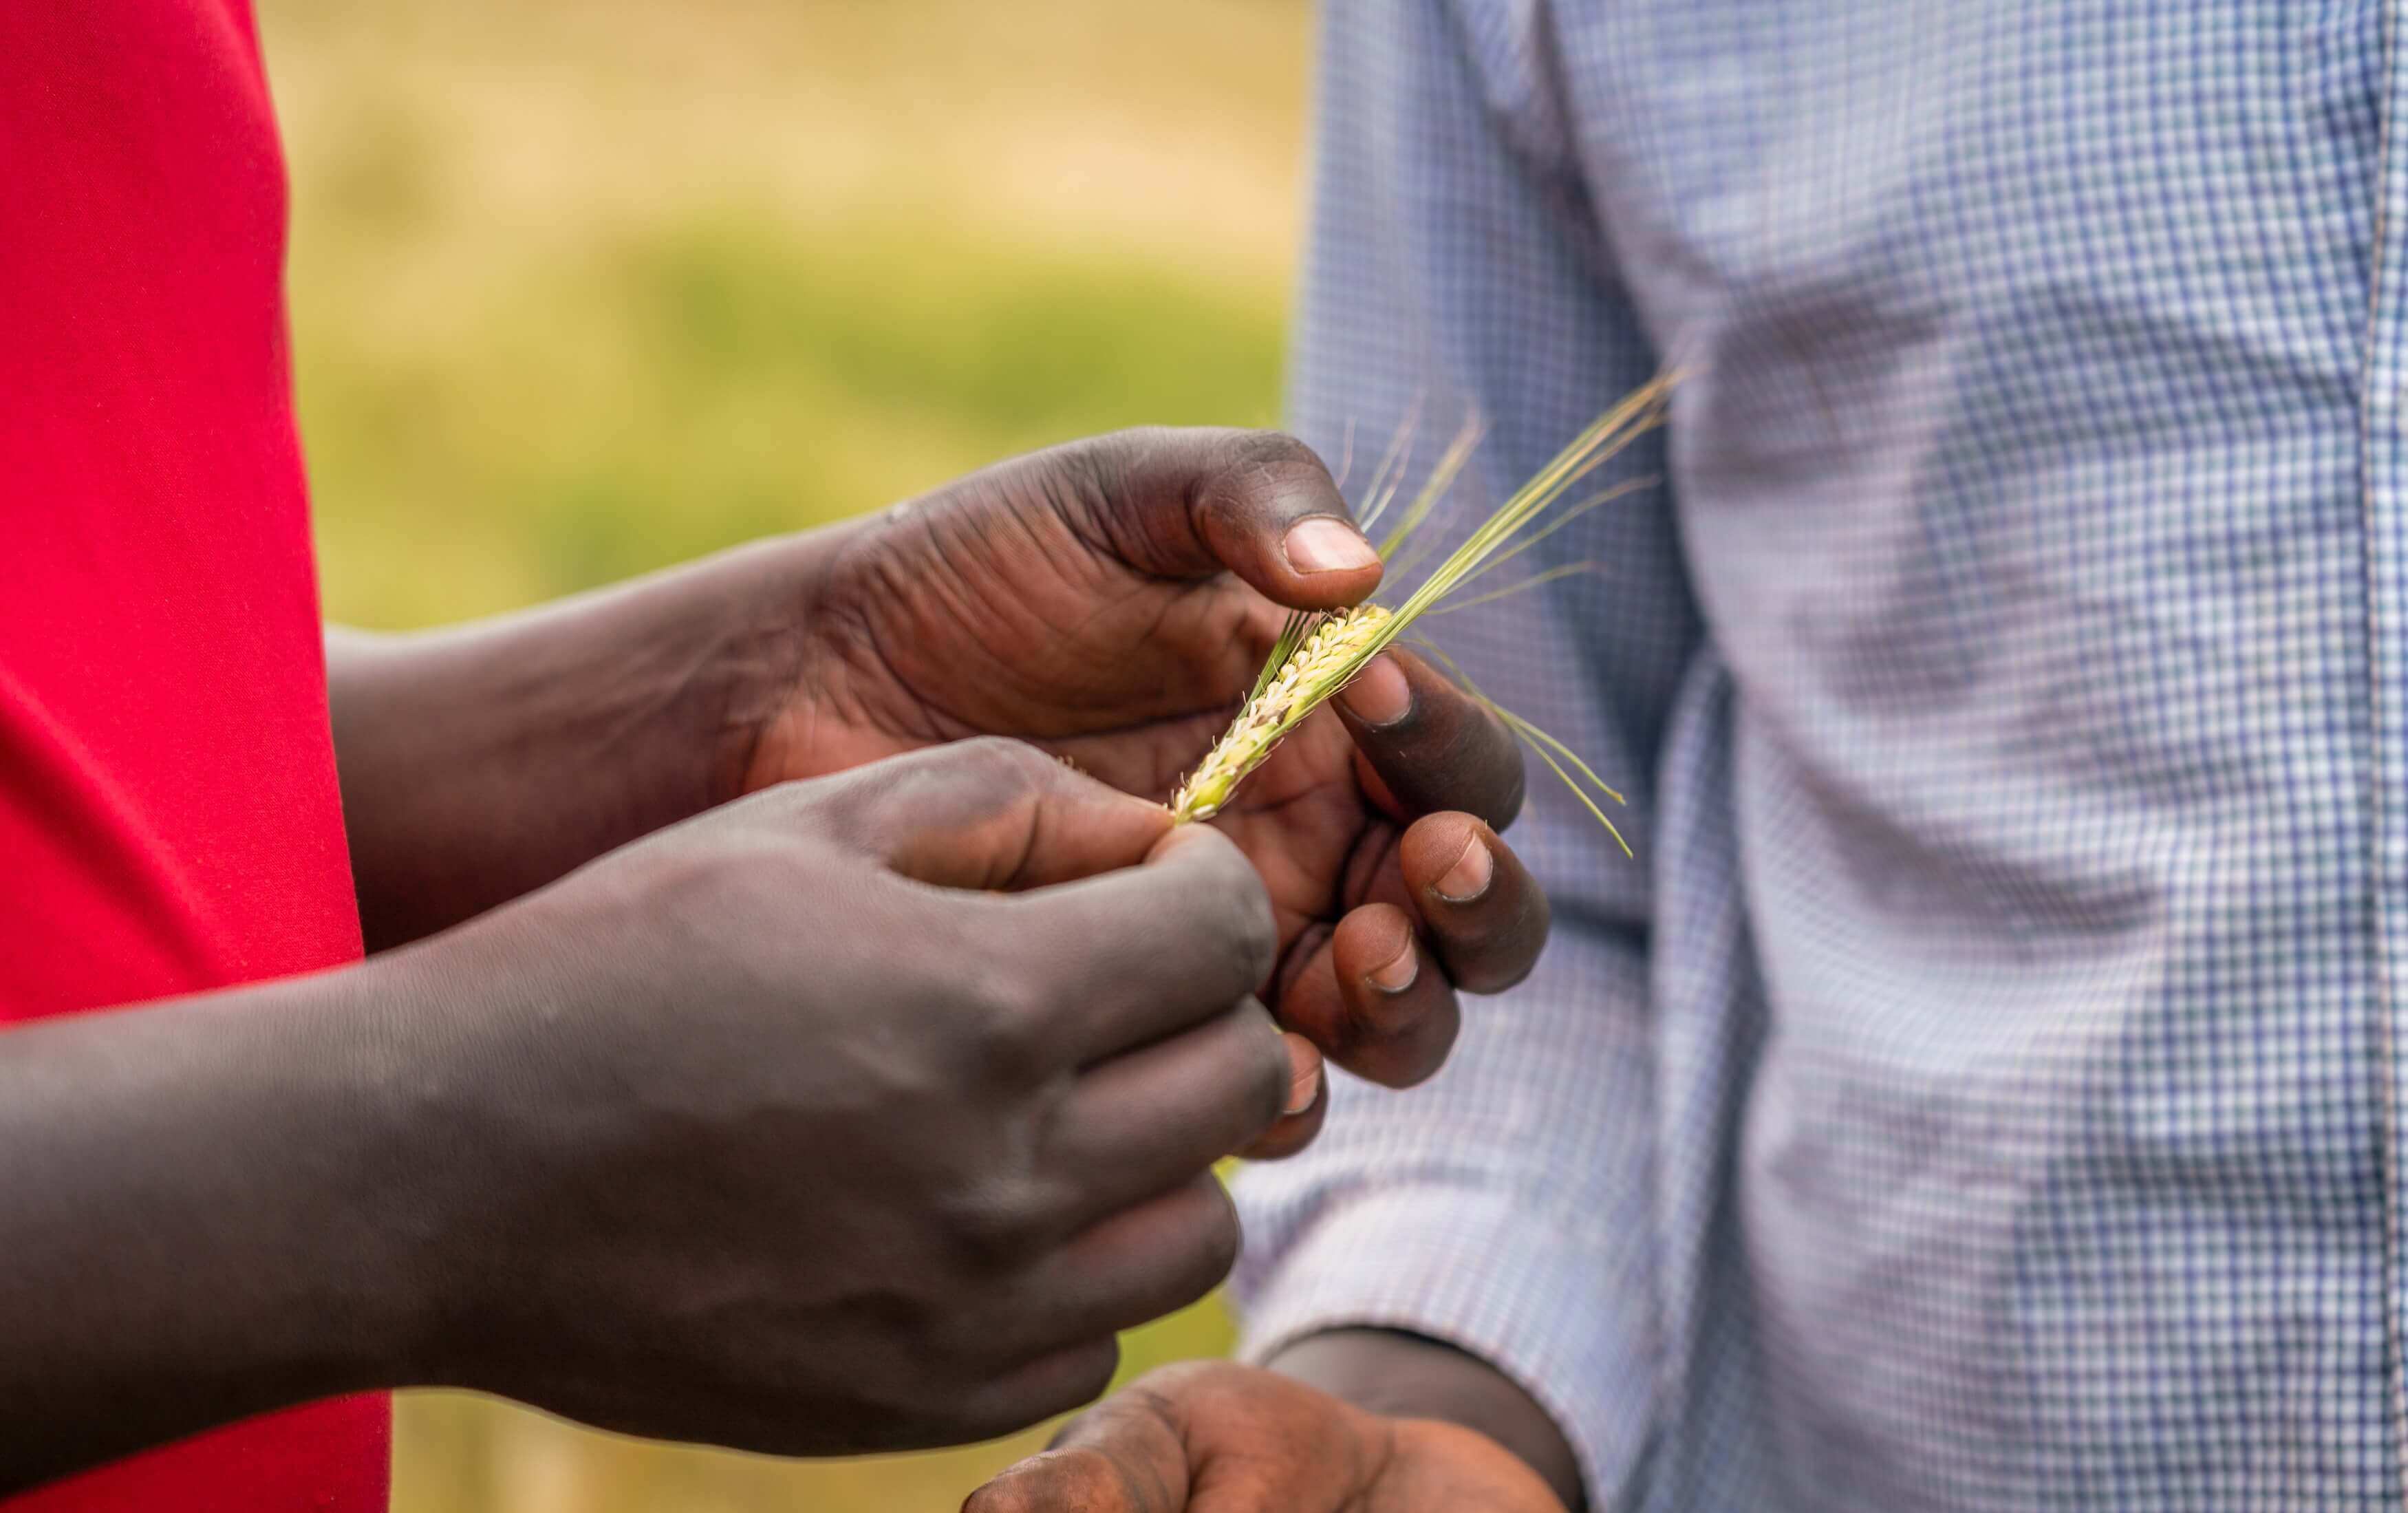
{"x":2383,"y":497}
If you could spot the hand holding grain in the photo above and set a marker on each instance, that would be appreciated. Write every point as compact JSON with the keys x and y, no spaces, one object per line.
{"x":1111,"y":601}
{"x":857,"y":1114}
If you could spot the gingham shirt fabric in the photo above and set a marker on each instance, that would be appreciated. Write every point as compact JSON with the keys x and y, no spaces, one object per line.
{"x":1983,"y":1091}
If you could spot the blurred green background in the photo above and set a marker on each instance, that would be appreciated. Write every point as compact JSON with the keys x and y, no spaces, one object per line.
{"x":584,"y":287}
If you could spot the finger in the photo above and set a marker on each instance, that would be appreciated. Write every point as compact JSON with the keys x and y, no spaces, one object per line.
{"x":1190,"y":503}
{"x":1054,"y":1383}
{"x":1308,"y":1100}
{"x":1141,"y":954}
{"x":1433,"y":746}
{"x":1483,"y":914}
{"x":1128,"y":1269}
{"x":1146,"y":1123}
{"x":1374,"y":999}
{"x":985,"y":813}
{"x":1125,"y":1455}
{"x":1085,"y":1479}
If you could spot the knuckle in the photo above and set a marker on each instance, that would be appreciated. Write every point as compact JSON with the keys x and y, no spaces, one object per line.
{"x":1092,"y":478}
{"x":1167,"y":1393}
{"x":1271,"y":452}
{"x":1483,"y":769}
{"x":1000,"y":1222}
{"x":1247,"y":474}
{"x":1003,"y":1035}
{"x":1110,"y":455}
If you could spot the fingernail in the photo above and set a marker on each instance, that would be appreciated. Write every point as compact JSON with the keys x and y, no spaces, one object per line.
{"x":1396,"y":976}
{"x":1468,"y":877}
{"x":1327,"y":544}
{"x":1379,"y":695}
{"x":1304,"y":1074}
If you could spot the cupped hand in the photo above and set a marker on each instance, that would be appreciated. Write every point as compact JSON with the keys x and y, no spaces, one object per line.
{"x":1217,"y":1437}
{"x":1111,"y":601}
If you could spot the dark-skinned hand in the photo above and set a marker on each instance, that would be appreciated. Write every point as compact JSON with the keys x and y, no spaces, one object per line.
{"x":1218,"y":1437}
{"x":1111,"y":601}
{"x":859,"y":1114}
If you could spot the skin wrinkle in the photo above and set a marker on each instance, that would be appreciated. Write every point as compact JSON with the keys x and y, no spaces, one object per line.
{"x":1116,"y":537}
{"x":874,"y":640}
{"x":848,"y":613}
{"x":746,"y":729}
{"x":1216,"y":594}
{"x":1073,"y":501}
{"x":623,"y":731}
{"x":983,"y":602}
{"x":1175,"y":1425}
{"x":993,"y":601}
{"x":1062,"y":558}
{"x":1081,"y":572}
{"x":940,"y":722}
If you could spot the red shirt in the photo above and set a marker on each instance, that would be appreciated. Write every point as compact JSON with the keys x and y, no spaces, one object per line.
{"x":168,"y":814}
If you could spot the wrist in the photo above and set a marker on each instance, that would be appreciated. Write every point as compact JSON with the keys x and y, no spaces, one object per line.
{"x":480,"y":762}
{"x":331,"y":1081}
{"x":413,"y":1082}
{"x":724,"y":644}
{"x":461,"y":1132}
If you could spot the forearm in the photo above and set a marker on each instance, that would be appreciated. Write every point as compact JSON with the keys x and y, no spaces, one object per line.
{"x":1408,"y":1376}
{"x":206,"y":1212}
{"x":480,"y":762}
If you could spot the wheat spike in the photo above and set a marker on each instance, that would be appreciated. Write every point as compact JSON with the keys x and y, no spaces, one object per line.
{"x":1316,"y":655}
{"x":1329,"y":655}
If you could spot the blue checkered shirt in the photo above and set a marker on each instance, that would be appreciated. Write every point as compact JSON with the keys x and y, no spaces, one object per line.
{"x":1985,"y":1090}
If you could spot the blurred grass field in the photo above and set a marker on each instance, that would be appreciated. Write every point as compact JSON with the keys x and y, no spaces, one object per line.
{"x":584,"y":287}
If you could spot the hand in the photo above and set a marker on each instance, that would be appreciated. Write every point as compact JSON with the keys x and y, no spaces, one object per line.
{"x":845,"y":1117}
{"x":1216,"y":1437}
{"x":1111,"y":600}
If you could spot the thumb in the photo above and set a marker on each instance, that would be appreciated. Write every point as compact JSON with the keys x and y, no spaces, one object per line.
{"x":1125,"y":1455}
{"x":1260,"y":504}
{"x":985,"y":813}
